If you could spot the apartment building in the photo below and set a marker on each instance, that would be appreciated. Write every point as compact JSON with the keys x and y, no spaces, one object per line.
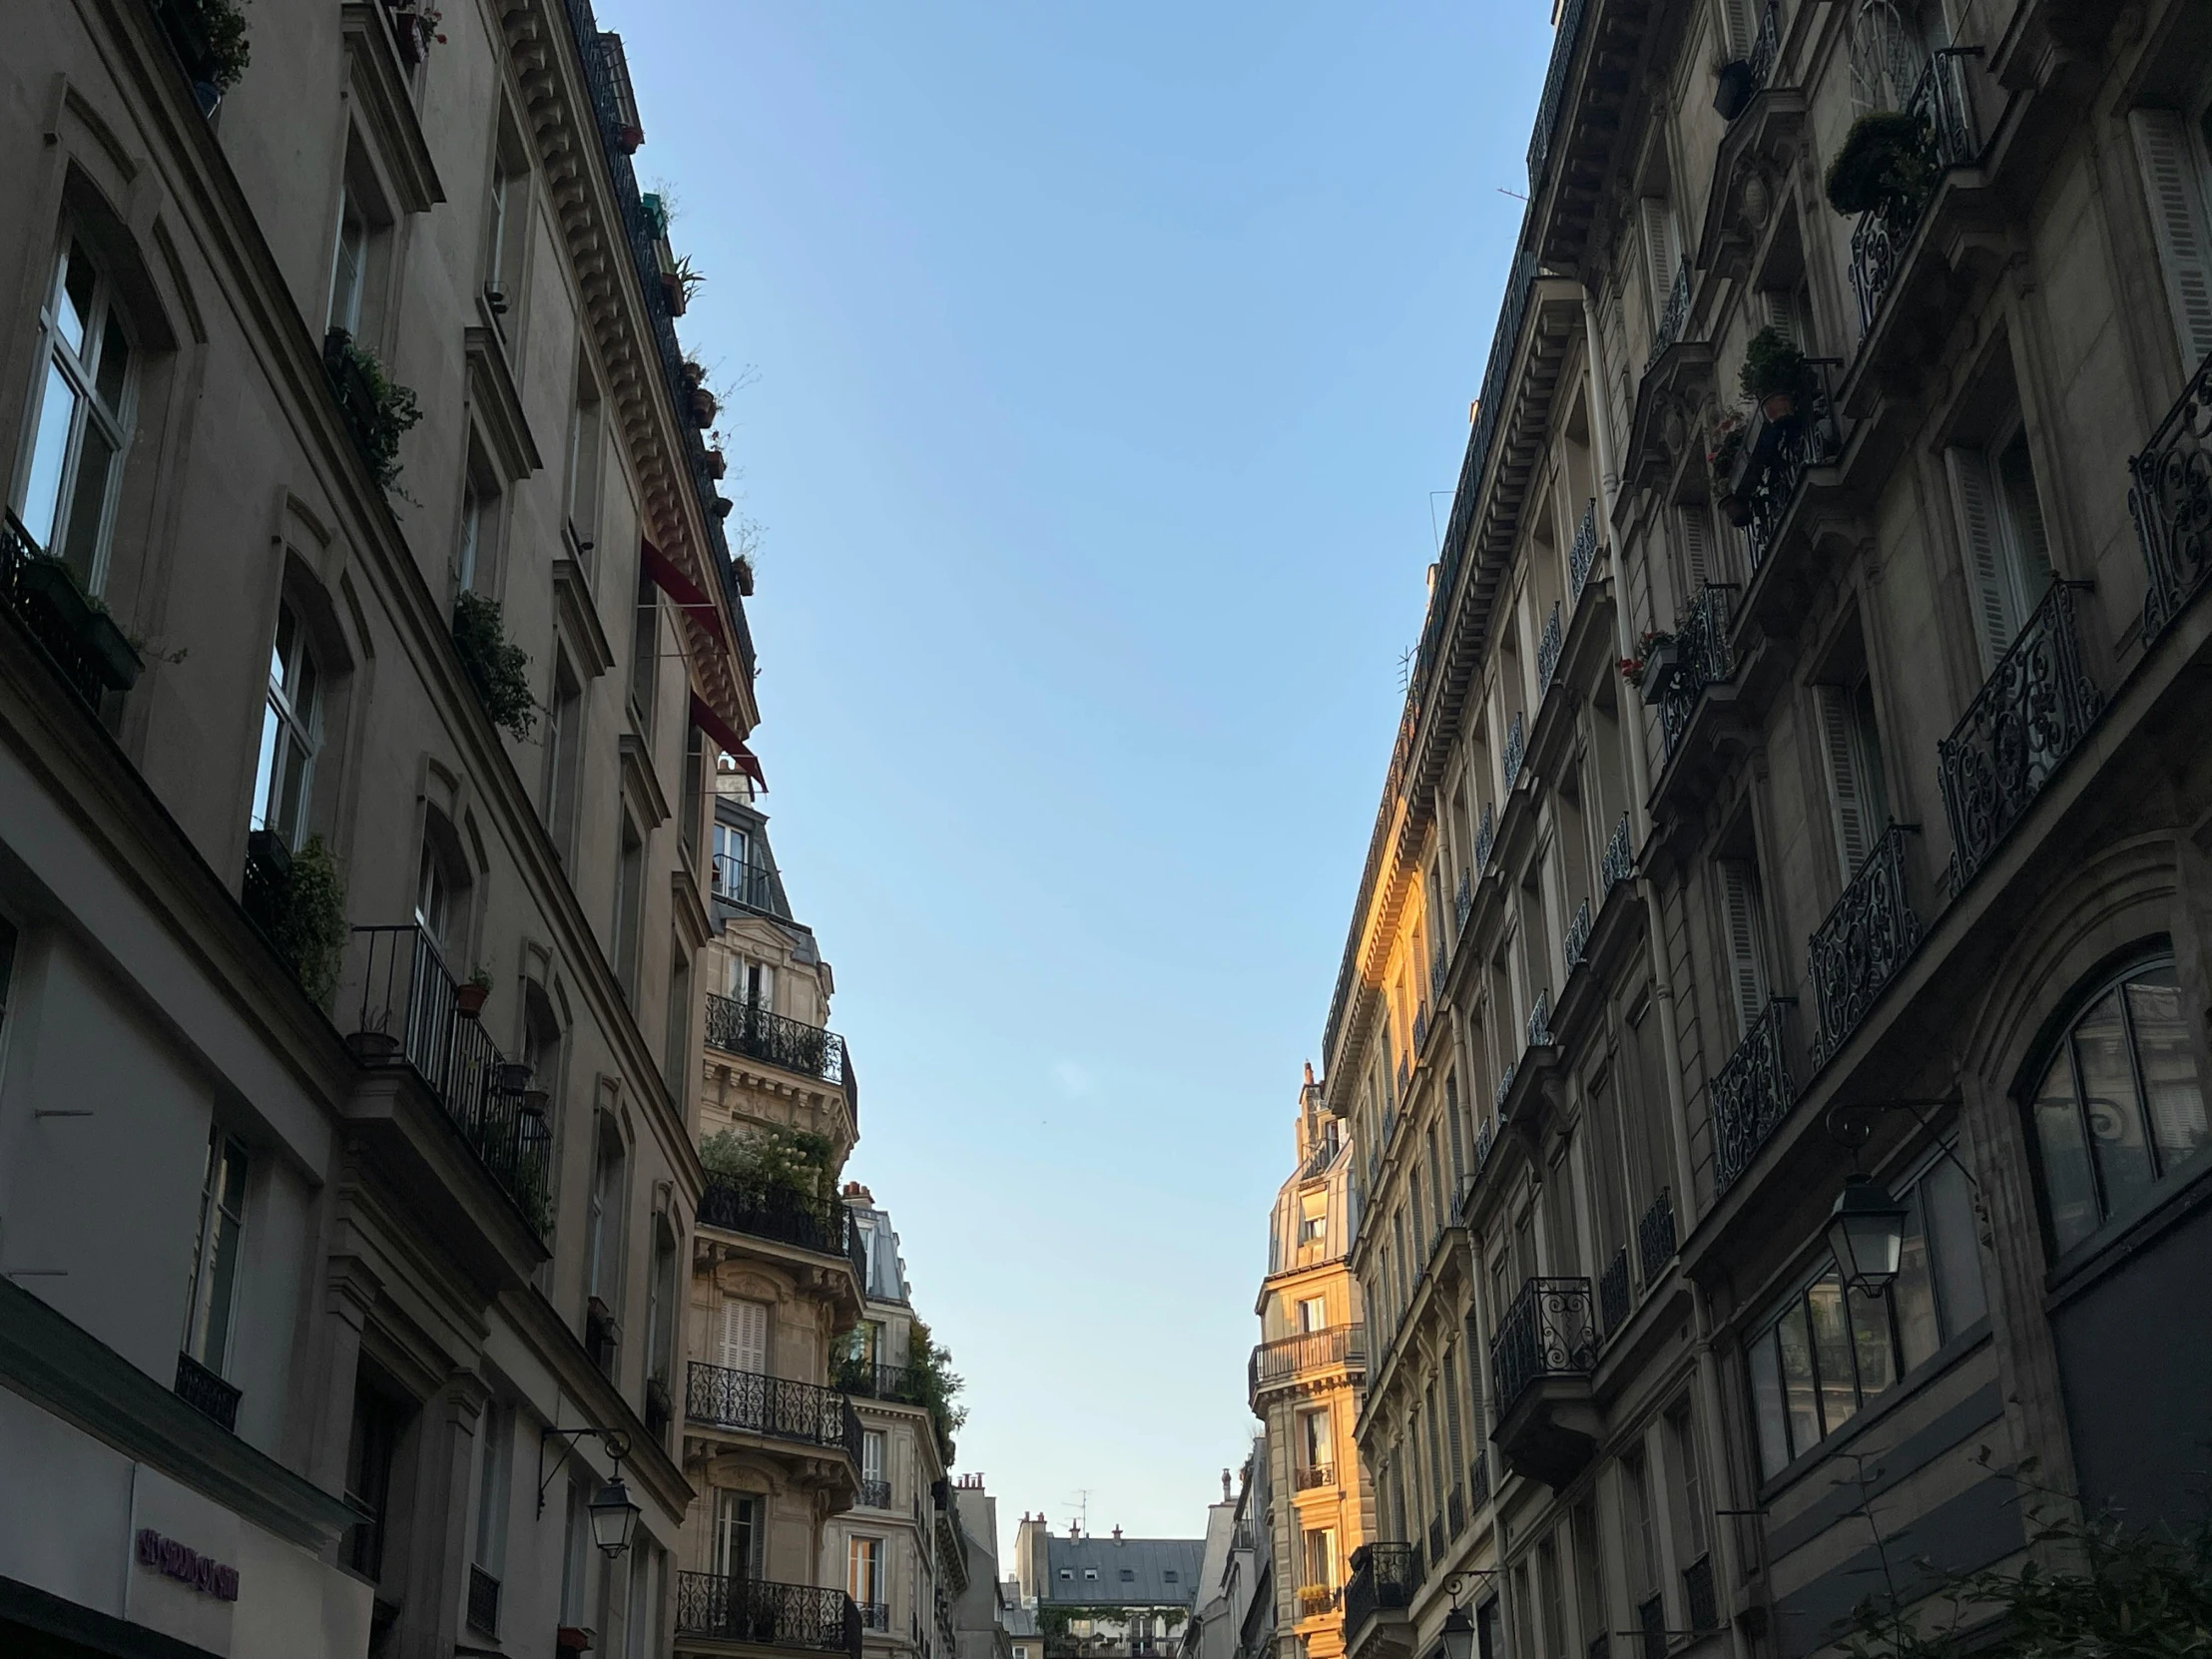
{"x":981,"y":1613}
{"x":1306,"y":1383}
{"x":1110,"y":1597}
{"x":1770,"y":1020}
{"x":365,"y":630}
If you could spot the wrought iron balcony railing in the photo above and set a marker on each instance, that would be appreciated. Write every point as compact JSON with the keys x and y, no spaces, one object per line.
{"x":2169,"y":495}
{"x":489,"y":1100}
{"x":1858,"y":949}
{"x":207,"y":1393}
{"x":748,"y":1028}
{"x":2015,"y":735}
{"x":1939,"y":101}
{"x":483,"y":1601}
{"x":760,"y":1612}
{"x":1655,"y":1237}
{"x":1577,"y":940}
{"x":1547,"y":651}
{"x":1750,"y":1094}
{"x":1706,"y":658}
{"x":1307,"y":1476}
{"x":747,"y":882}
{"x":1516,"y":749}
{"x":1385,"y":1575}
{"x":874,"y":1615}
{"x":1539,"y":1020}
{"x":1619,"y":863}
{"x":1485,"y":837}
{"x":1505,"y":1084}
{"x":1582,"y":554}
{"x":1672,"y":318}
{"x":1555,"y":83}
{"x":1809,"y":438}
{"x":1486,"y":1136}
{"x":875,"y":1493}
{"x":1289,"y":1358}
{"x":1436,"y":1537}
{"x":773,"y":1407}
{"x":1438,"y":962}
{"x":1420,"y":1030}
{"x":771,"y":1213}
{"x":1550,"y":1330}
{"x":898,"y":1384}
{"x":1698,"y":1600}
{"x":1479,"y":1481}
{"x":1651,"y":1625}
{"x":1463,"y":903}
{"x":1315,"y":1599}
{"x":1612,"y":1291}
{"x":1768,"y":47}
{"x":1456,"y":1509}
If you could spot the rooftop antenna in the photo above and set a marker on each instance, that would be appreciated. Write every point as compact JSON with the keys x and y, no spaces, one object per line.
{"x":1083,"y":1510}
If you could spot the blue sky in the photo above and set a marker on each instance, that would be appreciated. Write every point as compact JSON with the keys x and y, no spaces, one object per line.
{"x":1106,"y":358}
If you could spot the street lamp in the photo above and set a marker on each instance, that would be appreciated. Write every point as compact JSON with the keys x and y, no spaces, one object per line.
{"x":1458,"y":1634}
{"x":1866,"y":1232}
{"x":612,"y":1517}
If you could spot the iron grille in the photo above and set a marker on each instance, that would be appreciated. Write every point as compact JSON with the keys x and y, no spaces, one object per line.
{"x":1612,"y":1291}
{"x":2169,"y":495}
{"x":874,"y":1615}
{"x":1516,"y":749}
{"x":1556,"y":82}
{"x":750,"y":1029}
{"x":1539,"y":1020}
{"x":747,"y":882}
{"x":1655,"y":1237}
{"x":1671,"y":320}
{"x":1309,"y":1350}
{"x":1577,"y":941}
{"x":207,"y":1393}
{"x":1620,"y":861}
{"x":1463,"y":903}
{"x":1945,"y":113}
{"x":1706,"y":659}
{"x":875,"y":1494}
{"x":483,"y":1601}
{"x":1456,"y":1510}
{"x":1858,"y":949}
{"x":772,"y":1406}
{"x":1383,"y":1576}
{"x":1485,"y":835}
{"x":1550,"y":1330}
{"x":1697,"y":1594}
{"x":1547,"y":650}
{"x":1582,"y":554}
{"x":43,"y":595}
{"x":765,"y":1613}
{"x":899,"y":1384}
{"x":1768,"y":47}
{"x":1809,"y":438}
{"x":1751,"y":1094}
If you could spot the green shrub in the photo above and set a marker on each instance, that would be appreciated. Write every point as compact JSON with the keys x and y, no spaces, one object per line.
{"x":1772,"y":364}
{"x":309,"y":925}
{"x":229,"y":51}
{"x":792,"y":1162}
{"x":1887,"y":165}
{"x":940,"y":1387}
{"x":500,"y":672}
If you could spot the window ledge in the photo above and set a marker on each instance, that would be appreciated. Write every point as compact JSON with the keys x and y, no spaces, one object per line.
{"x":379,"y":85}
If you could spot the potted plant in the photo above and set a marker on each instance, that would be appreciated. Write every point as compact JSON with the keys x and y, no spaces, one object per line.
{"x":1734,"y":89}
{"x":378,"y":411}
{"x":1724,"y":450}
{"x":703,"y":407}
{"x":372,"y":1045}
{"x":1773,"y":376}
{"x":469,"y":995}
{"x":52,"y":585}
{"x":497,"y":670}
{"x":717,"y":466}
{"x":415,"y":25}
{"x":742,"y":564}
{"x":1887,"y":166}
{"x":1657,"y":659}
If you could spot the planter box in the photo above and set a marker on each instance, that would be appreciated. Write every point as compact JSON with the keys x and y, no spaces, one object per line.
{"x":1661,"y":664}
{"x":110,"y":656}
{"x":1733,"y":94}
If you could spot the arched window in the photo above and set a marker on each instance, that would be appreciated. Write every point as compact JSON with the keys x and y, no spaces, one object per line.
{"x":80,"y":421}
{"x":290,"y":733}
{"x":2119,"y":1106}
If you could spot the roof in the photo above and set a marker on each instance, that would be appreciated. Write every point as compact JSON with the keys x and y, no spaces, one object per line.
{"x":1019,"y":1620}
{"x":1161,"y":1571}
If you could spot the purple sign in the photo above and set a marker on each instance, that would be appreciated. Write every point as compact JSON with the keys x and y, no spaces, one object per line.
{"x":188,"y":1566}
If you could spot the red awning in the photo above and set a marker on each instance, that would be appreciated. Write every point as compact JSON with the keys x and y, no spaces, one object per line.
{"x":671,"y":580}
{"x":704,"y":717}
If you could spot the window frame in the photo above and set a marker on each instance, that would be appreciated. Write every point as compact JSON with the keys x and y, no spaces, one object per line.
{"x":288,"y":727}
{"x":204,"y":1343}
{"x":80,"y":372}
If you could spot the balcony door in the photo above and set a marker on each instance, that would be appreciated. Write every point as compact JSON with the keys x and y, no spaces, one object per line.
{"x":744,"y":1336}
{"x":738,"y":1525}
{"x":1312,"y":1315}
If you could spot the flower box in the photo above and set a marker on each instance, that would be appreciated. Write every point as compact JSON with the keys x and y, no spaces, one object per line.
{"x":53,"y":585}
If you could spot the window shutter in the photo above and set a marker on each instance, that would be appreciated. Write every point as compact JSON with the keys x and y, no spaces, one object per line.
{"x":1739,"y":28}
{"x":1745,"y":977}
{"x":2177,"y":218}
{"x":1971,"y":490}
{"x":744,"y":1336}
{"x":1846,"y":789}
{"x":1697,"y":546}
{"x":1779,"y":312}
{"x":1659,"y":251}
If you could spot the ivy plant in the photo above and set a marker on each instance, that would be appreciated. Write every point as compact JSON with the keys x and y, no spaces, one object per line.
{"x":498,"y":669}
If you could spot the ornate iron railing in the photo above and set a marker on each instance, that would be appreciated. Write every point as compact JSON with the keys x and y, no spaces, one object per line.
{"x":1438,"y":962}
{"x":1516,"y":749}
{"x":876,"y":1493}
{"x":2015,"y":735}
{"x":1289,"y":1358}
{"x":1547,"y":651}
{"x":1751,"y":1094}
{"x":1315,"y":1599}
{"x":1307,"y":1477}
{"x":1582,"y":554}
{"x":1538,"y":1031}
{"x":771,"y":1213}
{"x":772,"y":1406}
{"x":1555,"y":83}
{"x":1671,"y":318}
{"x":1436,"y":1537}
{"x":1485,"y":1138}
{"x":1655,"y":1237}
{"x":747,"y":882}
{"x":1619,"y":863}
{"x":483,"y":1601}
{"x":1478,"y":1483}
{"x":1456,"y":1510}
{"x":1578,"y":940}
{"x":900,"y":1385}
{"x":403,"y":980}
{"x":761,"y":1613}
{"x":1505,"y":1084}
{"x":42,"y":594}
{"x":1868,"y":935}
{"x":1768,"y":47}
{"x":1948,"y":140}
{"x":1485,"y":837}
{"x":750,"y":1029}
{"x":1550,"y":1330}
{"x":206,"y":1393}
{"x":1706,"y":658}
{"x":2169,"y":495}
{"x":1421,"y":1028}
{"x":1462,"y":901}
{"x":874,"y":1615}
{"x":1809,"y":438}
{"x":1385,"y":1575}
{"x":1612,"y":1291}
{"x":1697,"y":1594}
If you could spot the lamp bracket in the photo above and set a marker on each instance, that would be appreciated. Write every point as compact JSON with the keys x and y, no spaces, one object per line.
{"x":616,"y":1443}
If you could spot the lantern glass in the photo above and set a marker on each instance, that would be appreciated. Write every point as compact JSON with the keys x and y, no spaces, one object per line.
{"x":612,"y":1517}
{"x":1866,"y":1231}
{"x":1458,"y":1634}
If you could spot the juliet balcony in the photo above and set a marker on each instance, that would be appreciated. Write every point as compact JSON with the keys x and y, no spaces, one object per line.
{"x":1384,"y":1577}
{"x":1541,"y":1361}
{"x":1288,"y":1359}
{"x":790,"y":1045}
{"x":771,"y":1408}
{"x":784,"y":1218}
{"x":758,"y":1612}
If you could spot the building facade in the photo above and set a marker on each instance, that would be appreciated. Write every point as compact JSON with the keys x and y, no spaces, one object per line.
{"x":1110,"y":1597}
{"x":1790,"y":788}
{"x":365,"y":628}
{"x":1307,"y":1383}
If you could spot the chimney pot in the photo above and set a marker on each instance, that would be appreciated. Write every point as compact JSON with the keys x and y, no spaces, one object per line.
{"x":1117,"y":1535}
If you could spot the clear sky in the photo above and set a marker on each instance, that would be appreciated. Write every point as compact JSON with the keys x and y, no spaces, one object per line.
{"x":1107,"y":356}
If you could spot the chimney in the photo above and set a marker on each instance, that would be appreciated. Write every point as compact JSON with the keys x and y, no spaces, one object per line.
{"x":1225,"y":1473}
{"x":1309,"y":1074}
{"x":1117,"y":1535}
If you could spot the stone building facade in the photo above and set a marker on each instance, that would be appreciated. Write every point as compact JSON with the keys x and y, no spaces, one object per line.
{"x":351,"y":832}
{"x":1306,"y":1382}
{"x":1796,"y":782}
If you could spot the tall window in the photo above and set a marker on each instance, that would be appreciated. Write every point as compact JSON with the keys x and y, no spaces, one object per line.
{"x":1741,"y":937}
{"x":2171,"y":150}
{"x":477,"y":541}
{"x":877,"y":1484}
{"x":1321,"y":1559}
{"x":2001,"y":526}
{"x":215,"y":1253}
{"x":1850,"y":754}
{"x":1823,"y":1355}
{"x":629,"y":902}
{"x":744,"y":1336}
{"x":1314,"y":1443}
{"x":506,"y":227}
{"x":80,"y":419}
{"x":348,"y":264}
{"x":645,"y":653}
{"x":603,"y":1234}
{"x":1689,"y":1484}
{"x":864,"y":1577}
{"x":660,"y":1313}
{"x":377,"y":1422}
{"x":564,"y":744}
{"x":290,"y":733}
{"x":738,"y":1519}
{"x":2119,"y":1108}
{"x":576,"y":1545}
{"x":640,"y":1615}
{"x":495,"y":1478}
{"x":584,"y":459}
{"x":677,"y":1057}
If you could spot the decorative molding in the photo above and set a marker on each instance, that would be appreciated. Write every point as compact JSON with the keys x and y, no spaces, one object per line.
{"x":638,"y":783}
{"x":579,"y":619}
{"x":498,"y":404}
{"x":386,"y":102}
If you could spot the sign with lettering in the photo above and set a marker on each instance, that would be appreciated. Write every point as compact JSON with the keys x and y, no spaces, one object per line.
{"x":188,"y":1566}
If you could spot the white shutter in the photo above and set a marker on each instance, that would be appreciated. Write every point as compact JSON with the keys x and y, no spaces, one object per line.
{"x":744,"y":1336}
{"x":1855,"y":831}
{"x":1697,"y":546}
{"x":1747,"y":980}
{"x":2177,"y":216}
{"x":1973,"y":492}
{"x":1659,"y":251}
{"x":1740,"y":30}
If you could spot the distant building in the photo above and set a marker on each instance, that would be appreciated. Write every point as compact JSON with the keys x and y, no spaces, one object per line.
{"x":1110,"y":1597}
{"x":1233,"y":1572}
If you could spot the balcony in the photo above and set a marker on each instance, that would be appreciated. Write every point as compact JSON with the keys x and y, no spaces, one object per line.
{"x":1703,"y":658}
{"x":2015,"y":735}
{"x":1541,"y":1360}
{"x":761,"y":1613}
{"x":748,"y":1028}
{"x":893,"y":1385}
{"x":1582,"y":554}
{"x":1577,"y":940}
{"x":1948,"y":140}
{"x":747,"y":882}
{"x":207,"y":1393}
{"x":1655,"y":1238}
{"x":781,"y":1216}
{"x":1463,"y":903}
{"x":874,"y":1495}
{"x":1750,"y":1095}
{"x":1671,"y":318}
{"x":1308,"y":1478}
{"x":1539,"y":1020}
{"x":1384,"y":1579}
{"x":1781,"y":452}
{"x":1619,"y":863}
{"x":876,"y":1615}
{"x":1612,"y":1291}
{"x":398,"y":976}
{"x":1289,"y":1359}
{"x":2169,"y":496}
{"x":1516,"y":749}
{"x":1547,"y":650}
{"x":1317,"y":1601}
{"x":1485,"y":837}
{"x":1857,"y":950}
{"x":83,"y":645}
{"x":746,"y":1403}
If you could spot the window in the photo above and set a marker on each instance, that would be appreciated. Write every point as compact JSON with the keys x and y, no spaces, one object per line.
{"x":78,"y":425}
{"x":495,"y":1479}
{"x":1321,"y":1559}
{"x":744,"y":1336}
{"x":629,"y":901}
{"x":678,"y":1059}
{"x":1689,"y":1484}
{"x":863,"y":1570}
{"x":660,"y":1311}
{"x":1313,"y":1313}
{"x":1551,"y":1588}
{"x":584,"y":460}
{"x":2000,"y":527}
{"x":1824,"y":1355}
{"x":603,"y":1235}
{"x":377,"y":1422}
{"x":215,"y":1253}
{"x":1314,"y":1444}
{"x":291,"y":728}
{"x":645,"y":653}
{"x":477,"y":541}
{"x":1747,"y":969}
{"x":2120,"y":1107}
{"x":7,"y":976}
{"x":641,"y":1613}
{"x":348,"y":264}
{"x":564,"y":746}
{"x":433,"y":904}
{"x":1128,"y":1575}
{"x":1850,"y":753}
{"x":753,"y":984}
{"x":738,"y":1525}
{"x":694,"y":796}
{"x":1090,"y":1573}
{"x":874,"y":1445}
{"x":2172,"y":158}
{"x":1662,"y":255}
{"x":506,"y":227}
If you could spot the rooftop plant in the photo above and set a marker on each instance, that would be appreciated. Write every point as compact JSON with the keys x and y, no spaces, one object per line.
{"x":792,"y":1162}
